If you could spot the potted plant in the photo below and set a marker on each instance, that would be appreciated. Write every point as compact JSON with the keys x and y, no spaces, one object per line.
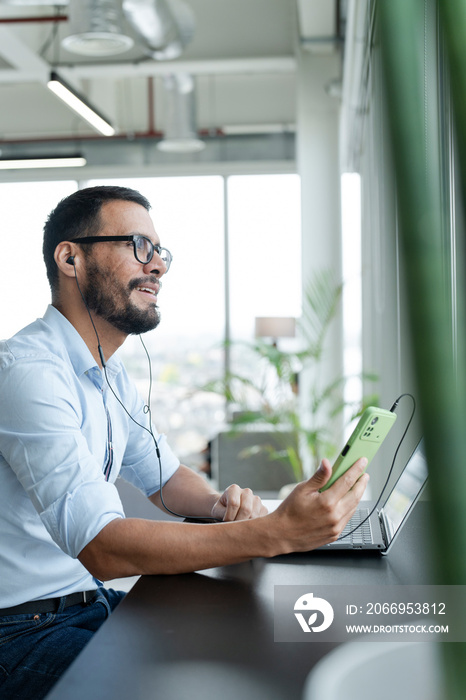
{"x":267,"y":399}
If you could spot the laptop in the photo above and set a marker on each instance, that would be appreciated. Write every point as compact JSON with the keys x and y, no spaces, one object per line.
{"x":387,"y":521}
{"x":380,"y":531}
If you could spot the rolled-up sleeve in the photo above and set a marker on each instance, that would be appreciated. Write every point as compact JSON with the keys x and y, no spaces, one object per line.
{"x":74,"y":519}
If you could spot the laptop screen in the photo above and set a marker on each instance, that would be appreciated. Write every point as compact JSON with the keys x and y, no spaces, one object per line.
{"x":405,"y":492}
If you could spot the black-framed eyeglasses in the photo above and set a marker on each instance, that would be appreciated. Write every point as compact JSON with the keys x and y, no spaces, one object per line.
{"x":142,"y":246}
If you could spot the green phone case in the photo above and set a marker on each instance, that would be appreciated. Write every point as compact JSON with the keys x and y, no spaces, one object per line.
{"x":371,"y":430}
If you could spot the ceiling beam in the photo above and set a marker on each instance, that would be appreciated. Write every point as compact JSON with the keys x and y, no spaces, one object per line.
{"x":282,"y":64}
{"x":27,"y":66}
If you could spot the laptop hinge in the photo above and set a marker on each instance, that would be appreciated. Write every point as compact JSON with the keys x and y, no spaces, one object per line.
{"x":384,"y":527}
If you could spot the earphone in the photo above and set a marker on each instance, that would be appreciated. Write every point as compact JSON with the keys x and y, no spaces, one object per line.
{"x":70,"y":261}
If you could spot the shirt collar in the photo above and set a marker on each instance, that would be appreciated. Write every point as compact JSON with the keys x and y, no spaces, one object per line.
{"x":80,"y":356}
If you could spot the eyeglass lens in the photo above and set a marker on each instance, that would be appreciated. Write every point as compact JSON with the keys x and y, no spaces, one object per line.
{"x":144,"y":249}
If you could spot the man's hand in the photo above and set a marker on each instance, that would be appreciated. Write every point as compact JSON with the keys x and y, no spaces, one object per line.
{"x":308,"y":519}
{"x":238,"y":504}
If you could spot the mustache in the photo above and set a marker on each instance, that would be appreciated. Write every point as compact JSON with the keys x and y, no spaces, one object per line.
{"x":142,"y":281}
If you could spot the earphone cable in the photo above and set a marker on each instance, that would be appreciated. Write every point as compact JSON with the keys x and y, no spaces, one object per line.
{"x":147,"y":410}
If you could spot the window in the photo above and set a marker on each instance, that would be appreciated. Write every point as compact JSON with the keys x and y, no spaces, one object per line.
{"x":265,"y":249}
{"x":264,"y":215}
{"x":24,"y":288}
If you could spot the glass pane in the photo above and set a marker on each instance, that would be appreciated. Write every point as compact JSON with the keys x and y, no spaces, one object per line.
{"x":24,"y":288}
{"x":265,"y":249}
{"x":185,"y":350}
{"x":352,"y":294}
{"x":265,"y":260}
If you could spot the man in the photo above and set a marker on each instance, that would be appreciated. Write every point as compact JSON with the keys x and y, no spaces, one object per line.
{"x":71,"y":422}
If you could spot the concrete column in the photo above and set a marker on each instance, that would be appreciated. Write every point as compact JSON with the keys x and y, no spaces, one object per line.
{"x":318,"y":166}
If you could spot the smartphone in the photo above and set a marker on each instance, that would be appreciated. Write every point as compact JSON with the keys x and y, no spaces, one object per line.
{"x":371,"y":430}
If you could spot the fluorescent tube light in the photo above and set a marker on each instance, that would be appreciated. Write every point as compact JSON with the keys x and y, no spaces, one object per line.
{"x":45,"y":162}
{"x":79,"y":104}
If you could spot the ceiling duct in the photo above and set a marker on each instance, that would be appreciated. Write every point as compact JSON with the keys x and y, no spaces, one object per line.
{"x":180,"y":135}
{"x":95,"y":28}
{"x":166,"y":26}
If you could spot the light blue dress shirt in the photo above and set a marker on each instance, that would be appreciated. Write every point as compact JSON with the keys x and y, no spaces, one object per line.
{"x":55,"y":406}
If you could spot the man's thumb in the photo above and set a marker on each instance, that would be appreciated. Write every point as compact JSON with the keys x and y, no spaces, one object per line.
{"x":323,"y":474}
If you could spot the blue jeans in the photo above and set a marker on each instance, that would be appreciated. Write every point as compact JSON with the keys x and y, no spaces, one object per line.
{"x":35,"y":649}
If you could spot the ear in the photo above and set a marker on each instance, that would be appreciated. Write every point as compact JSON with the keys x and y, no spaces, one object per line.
{"x":66,"y":259}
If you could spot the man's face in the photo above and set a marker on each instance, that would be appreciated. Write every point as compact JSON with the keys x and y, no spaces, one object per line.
{"x":118,"y":288}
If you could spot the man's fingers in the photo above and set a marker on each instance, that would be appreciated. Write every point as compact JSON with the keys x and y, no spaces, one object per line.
{"x":341,"y":485}
{"x":241,"y":504}
{"x":347,"y":480}
{"x":232,"y":500}
{"x":357,"y":490}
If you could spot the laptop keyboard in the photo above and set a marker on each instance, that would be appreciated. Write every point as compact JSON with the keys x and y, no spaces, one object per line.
{"x":363,"y":535}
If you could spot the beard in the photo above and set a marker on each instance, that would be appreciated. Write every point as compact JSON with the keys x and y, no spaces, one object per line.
{"x":108,"y":298}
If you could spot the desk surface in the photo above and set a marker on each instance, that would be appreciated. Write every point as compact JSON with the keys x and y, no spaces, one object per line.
{"x":211,"y":633}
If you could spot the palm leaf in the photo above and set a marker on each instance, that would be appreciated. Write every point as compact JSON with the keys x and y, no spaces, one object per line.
{"x":321,"y":298}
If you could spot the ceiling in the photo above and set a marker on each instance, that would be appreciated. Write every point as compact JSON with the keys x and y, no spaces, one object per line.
{"x":242,"y":58}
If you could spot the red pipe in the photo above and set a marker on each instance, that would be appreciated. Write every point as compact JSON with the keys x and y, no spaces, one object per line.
{"x":150,"y":99}
{"x":131,"y":136}
{"x":20,"y":20}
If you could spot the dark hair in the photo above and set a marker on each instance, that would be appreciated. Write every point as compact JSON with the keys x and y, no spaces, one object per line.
{"x":78,"y":216}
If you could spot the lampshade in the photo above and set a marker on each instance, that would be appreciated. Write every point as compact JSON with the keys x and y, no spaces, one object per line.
{"x":275,"y":327}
